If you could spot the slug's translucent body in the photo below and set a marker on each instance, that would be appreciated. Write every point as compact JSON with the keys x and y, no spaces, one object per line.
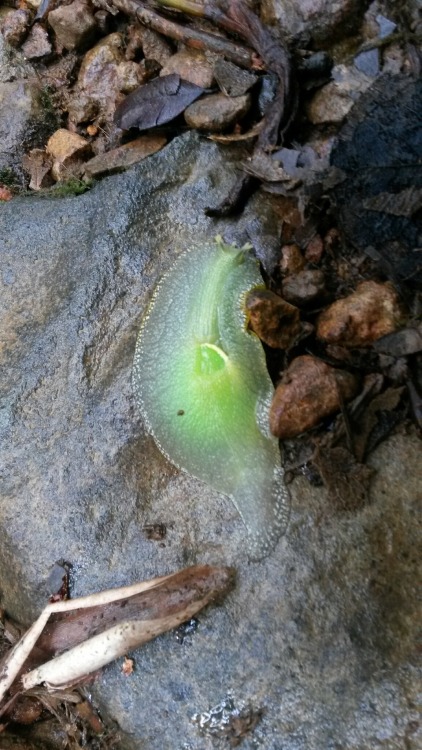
{"x":203,"y":388}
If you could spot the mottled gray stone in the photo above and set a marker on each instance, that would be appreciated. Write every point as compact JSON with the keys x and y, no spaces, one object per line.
{"x":24,"y":123}
{"x":19,"y":107}
{"x":321,"y":634}
{"x":13,"y":65}
{"x":320,"y":20}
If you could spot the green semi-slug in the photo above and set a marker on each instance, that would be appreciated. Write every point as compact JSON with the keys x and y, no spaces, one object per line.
{"x":202,"y":385}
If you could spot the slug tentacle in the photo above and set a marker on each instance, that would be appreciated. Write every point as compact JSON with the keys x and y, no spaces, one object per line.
{"x":201,"y":382}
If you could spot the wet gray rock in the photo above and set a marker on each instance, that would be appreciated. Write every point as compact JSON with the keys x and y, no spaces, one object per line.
{"x":25,"y":122}
{"x":320,"y":20}
{"x":320,"y":635}
{"x":13,"y":65}
{"x":19,"y":108}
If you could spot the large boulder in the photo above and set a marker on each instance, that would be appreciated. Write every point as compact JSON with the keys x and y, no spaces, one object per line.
{"x":317,"y":641}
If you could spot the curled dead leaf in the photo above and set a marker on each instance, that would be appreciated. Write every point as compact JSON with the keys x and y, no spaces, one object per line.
{"x":156,"y":102}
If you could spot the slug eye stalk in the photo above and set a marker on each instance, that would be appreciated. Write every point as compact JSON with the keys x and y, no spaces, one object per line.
{"x":202,"y":385}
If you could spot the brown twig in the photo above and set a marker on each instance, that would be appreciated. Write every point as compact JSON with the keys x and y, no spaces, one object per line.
{"x":186,"y":34}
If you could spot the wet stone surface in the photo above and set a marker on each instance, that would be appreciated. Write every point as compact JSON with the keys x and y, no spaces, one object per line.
{"x":319,"y":638}
{"x":24,"y":121}
{"x":320,"y":20}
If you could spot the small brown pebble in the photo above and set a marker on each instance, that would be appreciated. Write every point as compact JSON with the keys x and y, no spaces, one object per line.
{"x":331,"y":240}
{"x":15,"y":26}
{"x":5,"y":193}
{"x":64,"y":144}
{"x":68,"y":151}
{"x":37,"y":44}
{"x":155,"y":47}
{"x":292,"y":260}
{"x":314,"y":249}
{"x":191,"y":65}
{"x":38,"y":164}
{"x":304,"y":288}
{"x":89,"y":715}
{"x":102,"y":19}
{"x":216,"y":112}
{"x":92,"y":130}
{"x":129,"y":75}
{"x":127,"y":666}
{"x":232,"y":80}
{"x":332,"y":102}
{"x":272,"y":319}
{"x":103,"y":74}
{"x":74,"y":25}
{"x":96,"y":62}
{"x":309,"y":391}
{"x":26,"y":710}
{"x":82,"y":108}
{"x":372,"y":311}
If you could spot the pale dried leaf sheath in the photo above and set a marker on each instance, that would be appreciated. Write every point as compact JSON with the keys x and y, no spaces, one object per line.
{"x":102,"y":649}
{"x":155,"y":606}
